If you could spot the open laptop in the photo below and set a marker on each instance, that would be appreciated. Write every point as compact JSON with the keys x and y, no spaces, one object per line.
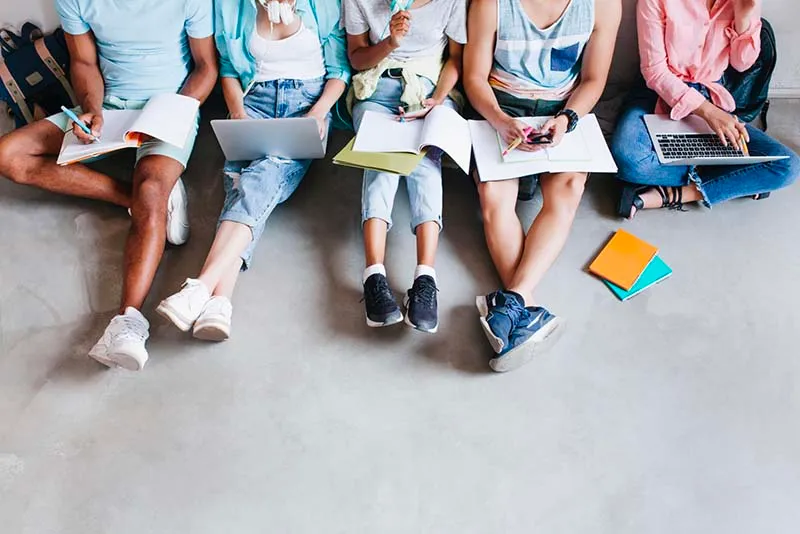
{"x":250,"y":139}
{"x":691,"y":141}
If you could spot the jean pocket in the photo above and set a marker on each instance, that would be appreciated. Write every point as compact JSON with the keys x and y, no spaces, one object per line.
{"x":563,"y":59}
{"x":312,"y":89}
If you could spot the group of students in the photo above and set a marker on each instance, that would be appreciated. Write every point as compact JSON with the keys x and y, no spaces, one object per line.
{"x":290,"y":58}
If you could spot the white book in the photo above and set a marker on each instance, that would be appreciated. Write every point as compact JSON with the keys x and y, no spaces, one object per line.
{"x":573,"y":146}
{"x":585,"y":152}
{"x":166,"y":117}
{"x":443,"y":128}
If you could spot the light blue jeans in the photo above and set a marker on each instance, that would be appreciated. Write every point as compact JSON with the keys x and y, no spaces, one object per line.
{"x":253,"y":189}
{"x":638,"y":162}
{"x":424,"y":185}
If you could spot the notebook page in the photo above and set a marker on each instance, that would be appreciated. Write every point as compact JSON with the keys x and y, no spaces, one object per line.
{"x":445,"y":128}
{"x":167,"y":117}
{"x":381,"y":132}
{"x":112,"y":137}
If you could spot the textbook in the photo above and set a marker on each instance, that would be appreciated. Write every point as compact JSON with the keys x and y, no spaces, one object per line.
{"x":623,"y":260}
{"x":442,"y":127}
{"x":657,"y":271}
{"x":395,"y":163}
{"x":582,"y":150}
{"x":167,"y":117}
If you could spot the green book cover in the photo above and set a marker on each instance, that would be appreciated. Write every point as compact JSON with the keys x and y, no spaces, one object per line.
{"x":655,"y":272}
{"x":398,"y":163}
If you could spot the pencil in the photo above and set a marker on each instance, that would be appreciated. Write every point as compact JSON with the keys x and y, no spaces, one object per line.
{"x":518,"y":141}
{"x":744,"y":145}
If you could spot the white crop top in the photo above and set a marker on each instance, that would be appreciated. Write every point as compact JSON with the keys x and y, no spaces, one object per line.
{"x":297,"y":57}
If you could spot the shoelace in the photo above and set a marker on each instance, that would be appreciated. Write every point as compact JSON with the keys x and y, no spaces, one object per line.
{"x":128,"y":328}
{"x":423,"y":292}
{"x":515,"y":311}
{"x":379,"y":293}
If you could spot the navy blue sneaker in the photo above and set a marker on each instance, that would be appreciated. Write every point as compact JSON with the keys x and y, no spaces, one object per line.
{"x":382,"y":308}
{"x":422,"y":308}
{"x":536,"y":331}
{"x":500,"y":311}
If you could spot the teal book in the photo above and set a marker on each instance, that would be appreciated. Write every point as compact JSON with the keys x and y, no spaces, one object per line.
{"x":655,"y":272}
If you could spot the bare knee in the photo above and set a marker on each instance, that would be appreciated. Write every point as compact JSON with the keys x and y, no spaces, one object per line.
{"x":151,"y":193}
{"x":13,"y":160}
{"x":564,"y":192}
{"x":497,"y":198}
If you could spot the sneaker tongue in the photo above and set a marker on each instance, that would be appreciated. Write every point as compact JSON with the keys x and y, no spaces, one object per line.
{"x":132,"y":312}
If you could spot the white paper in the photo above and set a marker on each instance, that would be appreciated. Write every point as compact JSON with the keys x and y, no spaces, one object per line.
{"x":166,"y":117}
{"x":573,"y":146}
{"x":381,"y":132}
{"x":447,"y":129}
{"x":492,"y":167}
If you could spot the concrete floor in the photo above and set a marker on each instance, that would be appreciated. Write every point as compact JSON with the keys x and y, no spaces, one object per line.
{"x":674,"y":412}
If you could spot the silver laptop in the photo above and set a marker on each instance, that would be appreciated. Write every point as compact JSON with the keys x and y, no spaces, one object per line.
{"x":249,"y":139}
{"x":692,"y":142}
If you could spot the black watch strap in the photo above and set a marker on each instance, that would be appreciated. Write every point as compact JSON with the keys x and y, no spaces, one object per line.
{"x":572,"y":118}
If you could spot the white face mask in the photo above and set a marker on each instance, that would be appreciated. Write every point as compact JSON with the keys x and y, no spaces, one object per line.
{"x":278,"y":12}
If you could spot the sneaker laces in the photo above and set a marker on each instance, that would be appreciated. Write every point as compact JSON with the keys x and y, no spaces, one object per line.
{"x":423,"y":291}
{"x":379,"y":293}
{"x":514,"y":310}
{"x":126,"y":327}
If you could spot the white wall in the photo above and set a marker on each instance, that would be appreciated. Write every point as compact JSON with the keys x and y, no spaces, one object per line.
{"x":781,"y":13}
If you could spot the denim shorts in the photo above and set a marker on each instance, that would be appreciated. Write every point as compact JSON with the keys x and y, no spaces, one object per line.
{"x":254,"y":188}
{"x":153,"y":147}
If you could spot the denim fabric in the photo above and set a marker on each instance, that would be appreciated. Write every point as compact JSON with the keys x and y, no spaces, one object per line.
{"x":638,"y":162}
{"x":253,"y":189}
{"x":424,"y":185}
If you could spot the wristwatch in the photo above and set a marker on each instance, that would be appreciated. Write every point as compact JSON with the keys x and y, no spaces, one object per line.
{"x":572,"y":118}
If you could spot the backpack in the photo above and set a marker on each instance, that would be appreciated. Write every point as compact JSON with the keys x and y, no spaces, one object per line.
{"x":34,"y":73}
{"x":750,"y":88}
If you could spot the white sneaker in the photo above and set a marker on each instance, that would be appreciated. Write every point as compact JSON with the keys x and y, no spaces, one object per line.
{"x":184,"y":307}
{"x":122,"y":343}
{"x":178,"y":215}
{"x":214,"y":324}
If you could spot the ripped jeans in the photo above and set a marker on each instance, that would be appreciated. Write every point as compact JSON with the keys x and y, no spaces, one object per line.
{"x":253,"y":189}
{"x":638,"y":162}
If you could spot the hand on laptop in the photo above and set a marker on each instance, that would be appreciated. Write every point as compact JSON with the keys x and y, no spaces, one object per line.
{"x":727,"y":127}
{"x":321,"y":122}
{"x":239,"y":115}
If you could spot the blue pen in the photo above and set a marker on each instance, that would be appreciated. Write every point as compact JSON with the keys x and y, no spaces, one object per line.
{"x":79,"y":122}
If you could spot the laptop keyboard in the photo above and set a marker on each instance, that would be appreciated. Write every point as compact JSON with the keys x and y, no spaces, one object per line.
{"x":688,"y":146}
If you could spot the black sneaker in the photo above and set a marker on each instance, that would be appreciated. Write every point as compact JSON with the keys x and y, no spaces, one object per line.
{"x":422,"y":309}
{"x":382,"y":308}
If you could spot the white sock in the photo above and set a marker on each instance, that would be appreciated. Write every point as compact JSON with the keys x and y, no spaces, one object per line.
{"x":377,"y":268}
{"x":425,"y":269}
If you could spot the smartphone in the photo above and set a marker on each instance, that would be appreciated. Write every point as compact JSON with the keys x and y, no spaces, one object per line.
{"x":540,"y":139}
{"x":412,"y":112}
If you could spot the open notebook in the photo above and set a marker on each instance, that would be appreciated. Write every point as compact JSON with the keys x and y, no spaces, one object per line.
{"x":443,"y":128}
{"x":167,"y":117}
{"x":573,"y":146}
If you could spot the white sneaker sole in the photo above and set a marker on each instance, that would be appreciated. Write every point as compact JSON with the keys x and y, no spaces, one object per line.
{"x":178,"y":216}
{"x":132,"y":360}
{"x":166,"y":311}
{"x":390,"y":322}
{"x":211,"y":331}
{"x":539,"y":343}
{"x":412,"y":325}
{"x":483,"y":310}
{"x":103,"y":359}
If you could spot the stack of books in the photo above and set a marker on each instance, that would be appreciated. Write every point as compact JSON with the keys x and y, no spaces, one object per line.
{"x":628,"y":265}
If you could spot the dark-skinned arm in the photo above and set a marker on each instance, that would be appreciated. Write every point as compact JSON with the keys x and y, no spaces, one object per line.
{"x":87,"y":81}
{"x":204,"y":74}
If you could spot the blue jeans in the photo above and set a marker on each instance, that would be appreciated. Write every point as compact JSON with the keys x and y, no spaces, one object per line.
{"x":424,"y":185}
{"x":638,"y":162}
{"x":253,"y":189}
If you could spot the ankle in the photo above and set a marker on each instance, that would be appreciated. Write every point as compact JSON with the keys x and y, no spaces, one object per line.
{"x":425,"y":270}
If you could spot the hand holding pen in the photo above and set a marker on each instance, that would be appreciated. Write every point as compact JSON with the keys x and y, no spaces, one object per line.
{"x":86,"y":126}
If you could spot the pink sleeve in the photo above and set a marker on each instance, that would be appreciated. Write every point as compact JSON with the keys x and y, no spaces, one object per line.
{"x":745,"y":46}
{"x":681,"y":98}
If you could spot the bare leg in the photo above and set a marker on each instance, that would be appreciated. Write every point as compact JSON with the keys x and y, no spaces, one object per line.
{"x":224,"y":257}
{"x":504,"y":234}
{"x":375,"y":241}
{"x":228,"y":280}
{"x":153,"y":179}
{"x":652,"y":199}
{"x":427,"y":243}
{"x":28,"y":157}
{"x":561,"y":196}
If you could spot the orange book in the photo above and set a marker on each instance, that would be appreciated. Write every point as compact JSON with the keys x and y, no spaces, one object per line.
{"x":623,"y":260}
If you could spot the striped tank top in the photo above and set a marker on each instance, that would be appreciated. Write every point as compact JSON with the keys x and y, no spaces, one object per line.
{"x":540,"y":64}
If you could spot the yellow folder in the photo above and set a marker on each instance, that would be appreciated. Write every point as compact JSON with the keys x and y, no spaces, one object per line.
{"x":398,"y":163}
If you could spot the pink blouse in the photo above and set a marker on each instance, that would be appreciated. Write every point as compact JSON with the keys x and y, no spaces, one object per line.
{"x":680,"y":41}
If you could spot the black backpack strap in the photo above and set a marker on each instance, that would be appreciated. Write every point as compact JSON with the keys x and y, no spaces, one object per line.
{"x":30,"y":32}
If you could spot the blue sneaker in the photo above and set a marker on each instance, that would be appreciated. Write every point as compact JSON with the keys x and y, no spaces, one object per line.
{"x":537,"y":331}
{"x":499,"y":313}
